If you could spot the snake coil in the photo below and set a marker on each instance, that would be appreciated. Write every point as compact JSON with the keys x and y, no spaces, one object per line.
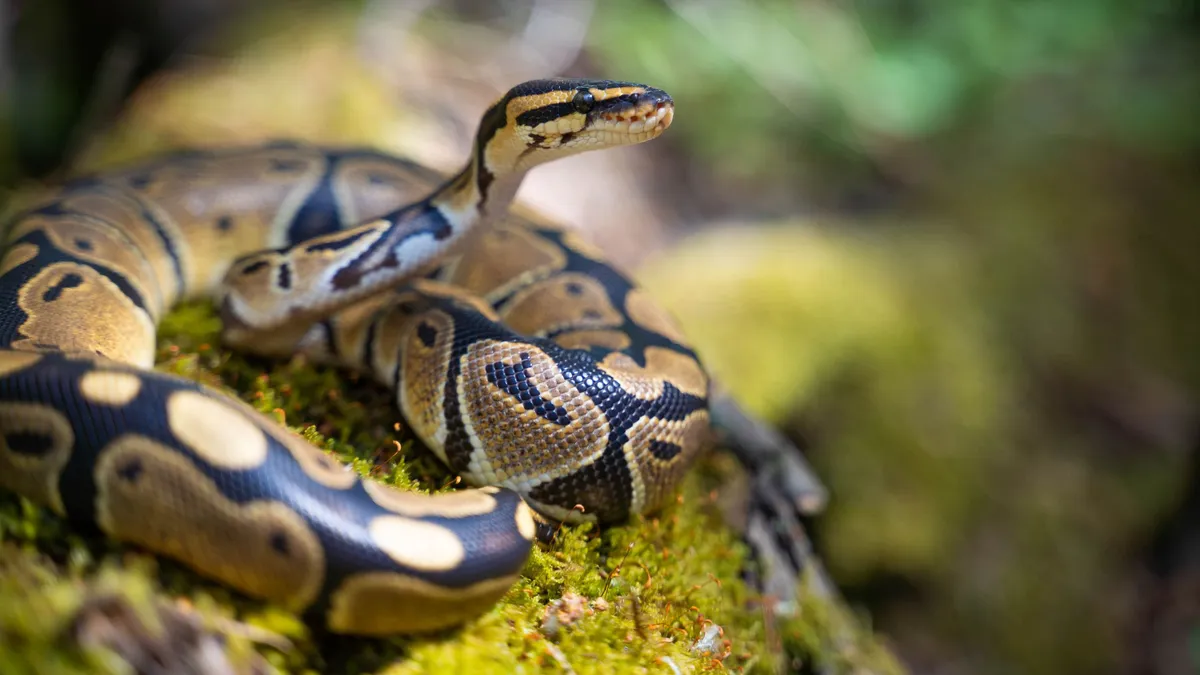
{"x":527,"y":364}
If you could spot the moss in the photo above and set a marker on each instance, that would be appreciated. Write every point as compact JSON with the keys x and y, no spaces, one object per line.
{"x":660,"y":581}
{"x":951,"y":473}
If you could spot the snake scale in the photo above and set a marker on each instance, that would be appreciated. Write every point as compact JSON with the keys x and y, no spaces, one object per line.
{"x":523,"y":361}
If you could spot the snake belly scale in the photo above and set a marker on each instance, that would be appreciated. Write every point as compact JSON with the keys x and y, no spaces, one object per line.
{"x":528,"y":365}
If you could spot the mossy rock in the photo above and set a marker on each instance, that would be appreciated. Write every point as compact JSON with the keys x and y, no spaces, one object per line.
{"x":646,"y":592}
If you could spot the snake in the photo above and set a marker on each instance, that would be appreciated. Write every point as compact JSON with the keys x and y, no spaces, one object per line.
{"x":536,"y":371}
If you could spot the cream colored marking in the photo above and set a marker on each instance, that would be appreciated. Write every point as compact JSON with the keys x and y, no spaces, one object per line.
{"x":16,"y":256}
{"x":219,"y":433}
{"x":423,"y":389}
{"x":575,"y":241}
{"x":655,"y":479}
{"x":662,"y":365}
{"x":383,"y":603}
{"x":417,"y":544}
{"x":560,"y":514}
{"x":514,"y":447}
{"x":126,"y":333}
{"x":104,"y":246}
{"x":642,"y":309}
{"x":457,"y":504}
{"x":150,"y":495}
{"x":12,"y":361}
{"x":525,"y":523}
{"x":466,"y":300}
{"x":586,"y":339}
{"x":106,"y":387}
{"x":35,"y":476}
{"x":313,"y":461}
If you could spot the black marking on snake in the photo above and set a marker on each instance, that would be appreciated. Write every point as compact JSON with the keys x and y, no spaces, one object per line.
{"x":319,"y":214}
{"x":664,"y":450}
{"x":279,"y":542}
{"x":617,"y":286}
{"x":286,"y":165}
{"x":546,"y":113}
{"x":517,"y":381}
{"x":442,"y":230}
{"x":536,"y":139}
{"x":336,"y":244}
{"x":566,"y":138}
{"x":165,"y":239}
{"x":592,"y":314}
{"x":326,"y":328}
{"x":427,"y":334}
{"x":429,"y":221}
{"x":492,"y":122}
{"x":30,"y":443}
{"x":131,"y":470}
{"x":256,"y":266}
{"x":224,"y":223}
{"x":376,"y":178}
{"x":285,"y":276}
{"x":574,"y":288}
{"x":140,"y":181}
{"x":368,"y":354}
{"x":84,"y":244}
{"x":68,"y":281}
{"x":82,"y":186}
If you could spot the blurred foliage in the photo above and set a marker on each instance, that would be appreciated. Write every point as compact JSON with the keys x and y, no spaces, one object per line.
{"x":778,"y":90}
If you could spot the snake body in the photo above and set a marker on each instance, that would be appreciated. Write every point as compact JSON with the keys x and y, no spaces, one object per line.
{"x":527,"y":364}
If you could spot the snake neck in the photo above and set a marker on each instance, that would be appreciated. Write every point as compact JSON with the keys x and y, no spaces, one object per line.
{"x":475,"y":196}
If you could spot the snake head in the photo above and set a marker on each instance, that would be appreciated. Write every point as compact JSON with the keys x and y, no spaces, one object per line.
{"x":541,"y":120}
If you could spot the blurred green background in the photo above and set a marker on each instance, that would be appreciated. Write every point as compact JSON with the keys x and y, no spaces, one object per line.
{"x":949,"y":247}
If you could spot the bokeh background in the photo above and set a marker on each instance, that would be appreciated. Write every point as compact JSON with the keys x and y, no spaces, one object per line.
{"x":950,"y":248}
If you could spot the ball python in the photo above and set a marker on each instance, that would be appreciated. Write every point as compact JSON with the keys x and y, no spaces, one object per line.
{"x":529,"y":366}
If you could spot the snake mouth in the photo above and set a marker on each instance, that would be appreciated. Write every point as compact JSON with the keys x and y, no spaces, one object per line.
{"x":635,"y":112}
{"x":638,"y":117}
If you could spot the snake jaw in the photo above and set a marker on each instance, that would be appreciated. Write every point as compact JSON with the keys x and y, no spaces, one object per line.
{"x":638,"y":114}
{"x":639,"y":123}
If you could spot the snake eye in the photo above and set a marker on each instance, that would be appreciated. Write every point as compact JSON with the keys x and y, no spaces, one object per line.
{"x":584,"y":101}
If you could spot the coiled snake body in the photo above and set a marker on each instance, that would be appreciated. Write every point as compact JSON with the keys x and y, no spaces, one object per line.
{"x":523,"y":361}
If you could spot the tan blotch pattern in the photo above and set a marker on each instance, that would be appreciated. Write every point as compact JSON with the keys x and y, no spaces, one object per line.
{"x":565,"y":301}
{"x":585,"y":339}
{"x":16,"y":256}
{"x":417,"y":544}
{"x":503,"y":258}
{"x":425,"y":369}
{"x":220,"y":434}
{"x":254,"y":289}
{"x":577,"y":243}
{"x":12,"y":362}
{"x":34,"y":474}
{"x":104,"y":246}
{"x":59,"y":301}
{"x":351,"y":324}
{"x":119,"y":208}
{"x":647,"y":313}
{"x":227,"y":205}
{"x":525,"y":522}
{"x":464,"y":299}
{"x":106,"y":387}
{"x":457,"y":504}
{"x":662,"y":365}
{"x":152,"y":496}
{"x":654,"y":478}
{"x":368,"y":188}
{"x":379,"y":603}
{"x":314,"y":462}
{"x":514,"y":446}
